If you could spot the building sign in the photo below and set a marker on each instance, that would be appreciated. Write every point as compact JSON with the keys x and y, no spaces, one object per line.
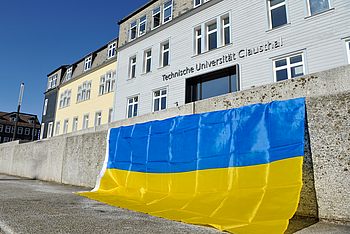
{"x":227,"y":58}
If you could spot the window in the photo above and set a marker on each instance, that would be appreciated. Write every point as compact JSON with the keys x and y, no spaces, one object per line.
{"x":98,"y":118}
{"x":133,"y":30}
{"x":212,"y":36}
{"x":132,"y":67}
{"x":133,"y":103}
{"x":27,"y":131}
{"x":45,"y":106}
{"x":142,"y":25}
{"x":159,"y":99}
{"x":212,"y":84}
{"x":57,"y":129}
{"x":20,"y":130}
{"x":52,"y":82}
{"x":86,"y":121}
{"x":42,"y":131}
{"x":198,"y":40}
{"x":289,"y":67}
{"x":69,"y":74}
{"x":156,"y":18}
{"x":50,"y":129}
{"x":110,"y":115}
{"x":164,"y":54}
{"x":112,"y":50}
{"x":88,"y":63}
{"x":277,"y":13}
{"x":75,"y":124}
{"x":318,"y":6}
{"x":6,"y":139}
{"x":84,"y":91}
{"x":7,"y":129}
{"x":348,"y":50}
{"x":167,"y":11}
{"x":147,"y":61}
{"x":65,"y":126}
{"x":107,"y":83}
{"x":197,"y":3}
{"x":65,"y":98}
{"x":1,"y":127}
{"x":226,"y":31}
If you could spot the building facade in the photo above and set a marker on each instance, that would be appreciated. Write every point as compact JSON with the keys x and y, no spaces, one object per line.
{"x":195,"y":49}
{"x":49,"y":108}
{"x":28,"y":127}
{"x":86,"y":93}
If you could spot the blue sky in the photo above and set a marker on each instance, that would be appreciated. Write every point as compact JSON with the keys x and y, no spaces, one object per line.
{"x":38,"y":36}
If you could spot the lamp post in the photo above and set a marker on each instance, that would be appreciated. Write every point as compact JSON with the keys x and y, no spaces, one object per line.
{"x":18,"y":110}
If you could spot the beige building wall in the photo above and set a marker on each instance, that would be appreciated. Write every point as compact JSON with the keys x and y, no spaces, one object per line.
{"x":96,"y":103}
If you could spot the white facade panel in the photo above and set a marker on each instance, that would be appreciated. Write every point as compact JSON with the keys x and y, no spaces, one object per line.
{"x":319,"y":37}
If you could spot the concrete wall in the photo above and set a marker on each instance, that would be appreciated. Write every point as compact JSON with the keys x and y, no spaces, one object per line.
{"x":77,"y":158}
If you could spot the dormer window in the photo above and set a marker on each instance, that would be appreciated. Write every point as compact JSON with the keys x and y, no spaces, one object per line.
{"x":112,"y":50}
{"x":142,"y":25}
{"x":168,"y":11}
{"x":88,"y":63}
{"x":69,"y":73}
{"x":52,"y":82}
{"x":133,"y":30}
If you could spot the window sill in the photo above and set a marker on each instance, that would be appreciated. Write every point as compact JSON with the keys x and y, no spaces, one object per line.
{"x":130,"y":79}
{"x":330,"y":10}
{"x":278,"y":28}
{"x":160,"y":68}
{"x":146,"y":73}
{"x":208,"y":51}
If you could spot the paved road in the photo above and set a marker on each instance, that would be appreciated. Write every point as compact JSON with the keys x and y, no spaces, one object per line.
{"x":31,"y":206}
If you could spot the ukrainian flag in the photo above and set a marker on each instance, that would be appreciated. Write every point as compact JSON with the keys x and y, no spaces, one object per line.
{"x":238,"y":170}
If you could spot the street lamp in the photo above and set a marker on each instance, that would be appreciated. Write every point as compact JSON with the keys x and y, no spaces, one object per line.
{"x":18,"y":110}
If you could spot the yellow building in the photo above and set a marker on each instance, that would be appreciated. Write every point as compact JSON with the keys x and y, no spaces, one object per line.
{"x":86,"y":93}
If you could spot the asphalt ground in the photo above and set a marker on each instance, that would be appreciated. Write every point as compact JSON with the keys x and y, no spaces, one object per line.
{"x":32,"y":206}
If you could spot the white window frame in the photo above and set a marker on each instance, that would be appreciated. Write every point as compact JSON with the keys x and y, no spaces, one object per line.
{"x":112,"y":50}
{"x":347,"y":44}
{"x":50,"y":130}
{"x":7,"y":128}
{"x":160,"y":99}
{"x":69,"y":73}
{"x":209,"y":32}
{"x":198,"y":37}
{"x":133,"y":25}
{"x":52,"y":82}
{"x":87,"y":63}
{"x":45,"y":106}
{"x":107,"y":83}
{"x":65,"y":98}
{"x":156,"y":11}
{"x":86,"y":121}
{"x":57,"y":128}
{"x":309,"y":8}
{"x":200,"y":3}
{"x":288,"y":66}
{"x":132,"y":63}
{"x":223,"y":27}
{"x":27,"y":131}
{"x":65,"y":126}
{"x":84,"y":91}
{"x":166,"y":8}
{"x":146,"y":59}
{"x":142,"y":21}
{"x":42,"y":131}
{"x":98,"y":118}
{"x":132,"y":102}
{"x":1,"y":127}
{"x":274,"y":7}
{"x":163,"y":51}
{"x":20,"y":130}
{"x":75,"y":124}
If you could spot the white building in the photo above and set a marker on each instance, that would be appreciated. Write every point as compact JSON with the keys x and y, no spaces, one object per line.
{"x":178,"y":51}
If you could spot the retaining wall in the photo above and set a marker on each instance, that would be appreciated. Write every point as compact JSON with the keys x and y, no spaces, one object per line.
{"x":77,"y":158}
